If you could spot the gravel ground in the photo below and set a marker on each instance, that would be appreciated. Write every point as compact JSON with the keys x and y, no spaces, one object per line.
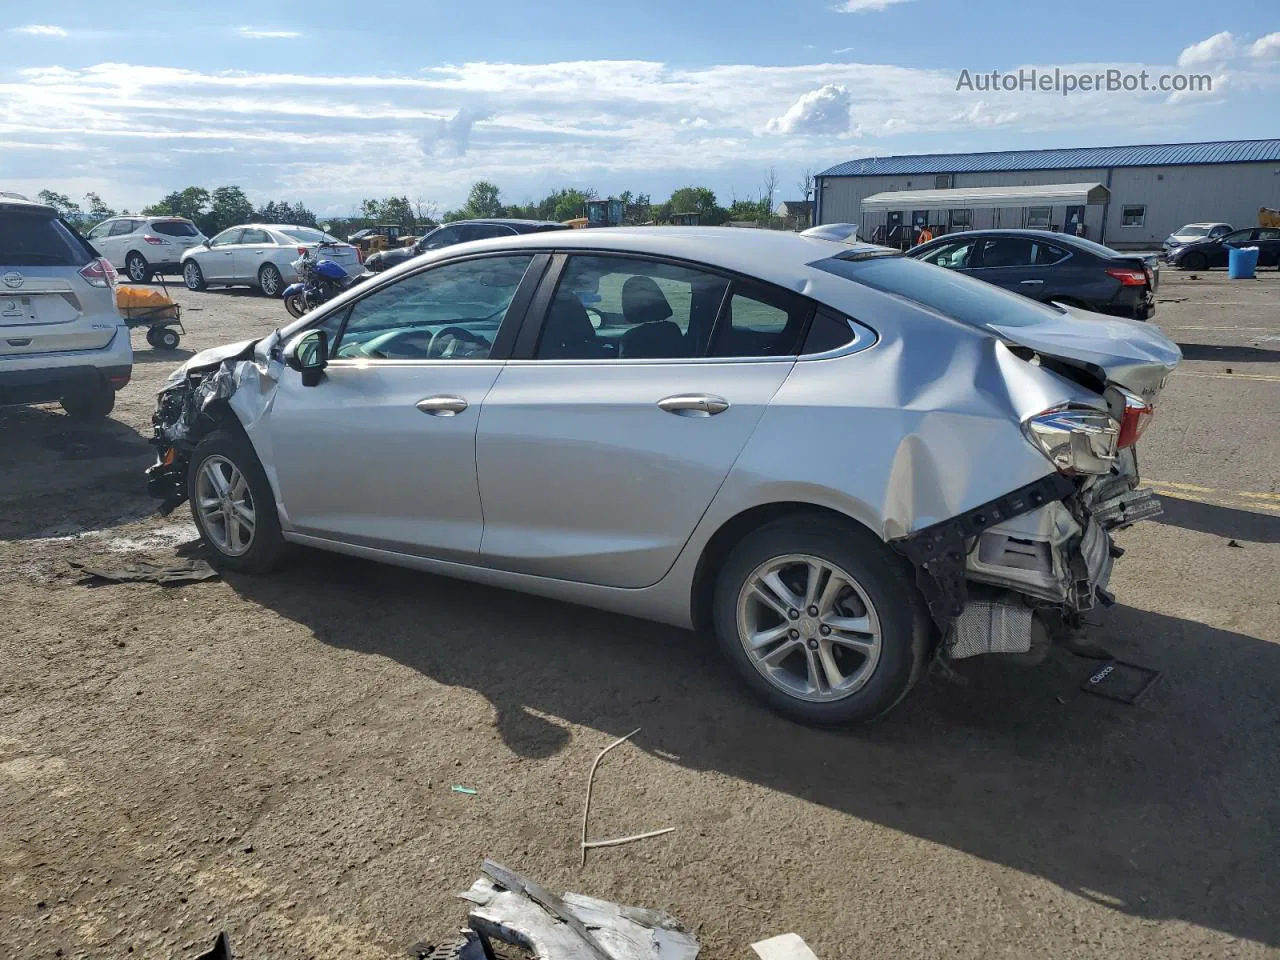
{"x":273,"y":756}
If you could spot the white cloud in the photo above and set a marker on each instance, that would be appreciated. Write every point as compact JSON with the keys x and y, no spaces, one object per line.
{"x":1215,"y":49}
{"x":843,"y":50}
{"x":862,"y":6}
{"x":451,"y":137}
{"x":254,"y":34}
{"x":39,"y":30}
{"x":821,"y":111}
{"x":1266,"y":48}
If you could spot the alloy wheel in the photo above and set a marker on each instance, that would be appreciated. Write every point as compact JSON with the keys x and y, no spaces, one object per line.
{"x":809,"y":628}
{"x":137,"y":269}
{"x":191,"y":275}
{"x":225,"y":504}
{"x":270,"y":281}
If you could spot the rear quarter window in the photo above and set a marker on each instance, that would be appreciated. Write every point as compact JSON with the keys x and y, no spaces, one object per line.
{"x":975,"y":302}
{"x":38,"y":240}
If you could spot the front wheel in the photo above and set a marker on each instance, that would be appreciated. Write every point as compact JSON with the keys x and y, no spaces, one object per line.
{"x":163,"y":338}
{"x":232,"y":504}
{"x":270,"y":281}
{"x":823,"y":621}
{"x":296,"y":304}
{"x":137,"y":267}
{"x":192,"y":275}
{"x":1194,"y":261}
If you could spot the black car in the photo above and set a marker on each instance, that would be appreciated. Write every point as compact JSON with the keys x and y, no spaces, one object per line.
{"x":460,"y":231}
{"x":1051,"y":267}
{"x":1214,"y":251}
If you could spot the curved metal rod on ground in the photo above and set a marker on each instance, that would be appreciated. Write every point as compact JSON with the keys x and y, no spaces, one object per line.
{"x":586,"y":808}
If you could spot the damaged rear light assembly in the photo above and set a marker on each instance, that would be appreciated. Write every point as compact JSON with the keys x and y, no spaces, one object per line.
{"x":1137,"y":417}
{"x":99,"y":273}
{"x":1128,"y":276}
{"x":1076,"y":439}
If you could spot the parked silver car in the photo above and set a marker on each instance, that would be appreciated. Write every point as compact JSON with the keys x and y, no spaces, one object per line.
{"x":838,"y":458}
{"x":61,"y":337}
{"x":260,"y":255}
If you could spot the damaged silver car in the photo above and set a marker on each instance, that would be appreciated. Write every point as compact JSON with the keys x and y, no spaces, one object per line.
{"x":840,"y":460}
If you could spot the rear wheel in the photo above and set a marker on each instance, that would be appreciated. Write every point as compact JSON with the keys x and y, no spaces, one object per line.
{"x":822,"y":621}
{"x":163,"y":338}
{"x":270,"y":281}
{"x":296,"y":304}
{"x":137,"y":267}
{"x":93,"y":404}
{"x":192,"y":275}
{"x":232,"y":504}
{"x":1194,"y":261}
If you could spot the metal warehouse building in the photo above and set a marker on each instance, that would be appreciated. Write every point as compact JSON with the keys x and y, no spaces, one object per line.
{"x":1151,"y":189}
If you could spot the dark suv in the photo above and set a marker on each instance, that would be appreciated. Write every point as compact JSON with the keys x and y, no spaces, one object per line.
{"x":460,"y":231}
{"x":1051,"y":267}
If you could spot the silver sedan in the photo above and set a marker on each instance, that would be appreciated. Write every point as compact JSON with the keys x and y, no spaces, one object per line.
{"x":839,"y":460}
{"x":260,"y":255}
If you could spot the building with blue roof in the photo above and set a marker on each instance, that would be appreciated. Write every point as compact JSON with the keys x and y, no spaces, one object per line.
{"x":1154,"y":188}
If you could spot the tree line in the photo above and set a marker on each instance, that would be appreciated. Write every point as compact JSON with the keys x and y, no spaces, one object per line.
{"x":210,"y":210}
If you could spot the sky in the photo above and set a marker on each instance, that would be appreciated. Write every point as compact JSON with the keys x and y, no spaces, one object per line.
{"x":317,"y":102}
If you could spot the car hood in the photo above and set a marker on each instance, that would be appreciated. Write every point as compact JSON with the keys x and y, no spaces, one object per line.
{"x":213,"y":356}
{"x":1133,"y":355}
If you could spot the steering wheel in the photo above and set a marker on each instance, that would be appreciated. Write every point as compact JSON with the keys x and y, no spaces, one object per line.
{"x":443,"y":343}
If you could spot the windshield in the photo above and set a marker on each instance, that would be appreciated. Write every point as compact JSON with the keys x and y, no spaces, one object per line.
{"x":970,"y":301}
{"x":175,"y":228}
{"x":1191,"y":230}
{"x":307,"y":235}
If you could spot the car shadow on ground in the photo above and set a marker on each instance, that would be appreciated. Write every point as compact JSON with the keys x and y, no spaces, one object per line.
{"x":1226,"y":522}
{"x":1161,"y":810}
{"x":174,"y":357}
{"x":59,"y":476}
{"x":1228,"y":353}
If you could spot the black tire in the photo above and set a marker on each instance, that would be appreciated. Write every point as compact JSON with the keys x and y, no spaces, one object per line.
{"x":193,"y":276}
{"x":1194,"y":261}
{"x":296,"y":304}
{"x":887,"y":581}
{"x":95,"y":404}
{"x":267,"y":547}
{"x":163,"y":338}
{"x":136,"y":266}
{"x":151,"y":336}
{"x":270,"y":282}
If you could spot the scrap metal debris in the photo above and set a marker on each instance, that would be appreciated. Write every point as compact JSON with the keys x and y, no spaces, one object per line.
{"x":511,"y":909}
{"x":169,"y":574}
{"x":788,"y":946}
{"x":584,"y":844}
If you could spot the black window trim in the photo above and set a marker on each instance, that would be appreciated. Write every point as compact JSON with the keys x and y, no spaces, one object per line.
{"x":511,"y":324}
{"x":536,"y":316}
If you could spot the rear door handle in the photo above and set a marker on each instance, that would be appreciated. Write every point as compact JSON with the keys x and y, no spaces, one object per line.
{"x":694,"y":405}
{"x":442,"y":406}
{"x":1035,"y":282}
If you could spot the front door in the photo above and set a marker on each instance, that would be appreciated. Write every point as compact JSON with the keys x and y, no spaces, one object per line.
{"x":218,"y":263}
{"x":382,"y":453}
{"x":600,"y":451}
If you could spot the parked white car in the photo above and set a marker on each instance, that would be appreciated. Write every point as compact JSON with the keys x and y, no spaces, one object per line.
{"x":143,"y":246}
{"x":260,"y":255}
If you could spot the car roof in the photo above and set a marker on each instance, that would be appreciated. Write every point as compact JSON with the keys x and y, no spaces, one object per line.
{"x":12,"y":201}
{"x":1205,"y":223}
{"x":507,"y":221}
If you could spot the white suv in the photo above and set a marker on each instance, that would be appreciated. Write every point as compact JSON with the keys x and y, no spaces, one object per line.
{"x":143,"y":246}
{"x":61,"y":336}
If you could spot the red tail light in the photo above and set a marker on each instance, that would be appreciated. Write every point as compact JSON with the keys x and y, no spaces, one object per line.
{"x":1137,"y":415}
{"x":154,"y":241}
{"x":1129,"y":276}
{"x":99,"y":273}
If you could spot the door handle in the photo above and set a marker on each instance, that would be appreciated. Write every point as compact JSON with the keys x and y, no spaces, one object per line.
{"x":442,"y":406}
{"x":694,"y":405}
{"x":1032,"y":282}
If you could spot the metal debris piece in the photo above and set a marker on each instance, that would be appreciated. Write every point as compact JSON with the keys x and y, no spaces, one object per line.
{"x":512,"y":909}
{"x":221,"y":949}
{"x":789,"y":946}
{"x":583,"y":845}
{"x":167,"y":574}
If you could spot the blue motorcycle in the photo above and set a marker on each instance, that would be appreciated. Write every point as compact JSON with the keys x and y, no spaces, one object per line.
{"x":322,"y":280}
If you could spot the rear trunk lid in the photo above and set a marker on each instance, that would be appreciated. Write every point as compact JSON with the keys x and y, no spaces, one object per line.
{"x":1130,"y":354}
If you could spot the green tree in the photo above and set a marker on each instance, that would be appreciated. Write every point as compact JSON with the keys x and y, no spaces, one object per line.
{"x":67,"y":208}
{"x":189,"y":202}
{"x":699,"y":200}
{"x":228,"y":206}
{"x":98,"y":210}
{"x":284,"y":212}
{"x":388,"y":210}
{"x":484,"y":200}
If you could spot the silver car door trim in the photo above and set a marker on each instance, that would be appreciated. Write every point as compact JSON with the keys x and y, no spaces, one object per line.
{"x":443,"y":406}
{"x":694,"y":405}
{"x":1036,"y":282}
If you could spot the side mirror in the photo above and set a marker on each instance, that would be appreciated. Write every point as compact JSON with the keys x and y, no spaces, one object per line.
{"x":205,"y":241}
{"x":308,"y":353}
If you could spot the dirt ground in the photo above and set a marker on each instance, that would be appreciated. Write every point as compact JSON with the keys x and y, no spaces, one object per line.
{"x":273,"y":756}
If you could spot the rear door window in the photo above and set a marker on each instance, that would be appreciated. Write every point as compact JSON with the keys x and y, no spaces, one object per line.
{"x":256,"y":236}
{"x":1008,"y":252}
{"x":38,"y":240}
{"x":1046,"y":254}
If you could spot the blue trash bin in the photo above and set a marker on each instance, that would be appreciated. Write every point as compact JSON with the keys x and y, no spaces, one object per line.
{"x":1242,"y":262}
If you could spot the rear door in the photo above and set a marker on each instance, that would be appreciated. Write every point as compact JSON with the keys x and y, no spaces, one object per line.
{"x":46,"y":305}
{"x":255,"y":248}
{"x":1009,"y":262}
{"x":607,"y":435}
